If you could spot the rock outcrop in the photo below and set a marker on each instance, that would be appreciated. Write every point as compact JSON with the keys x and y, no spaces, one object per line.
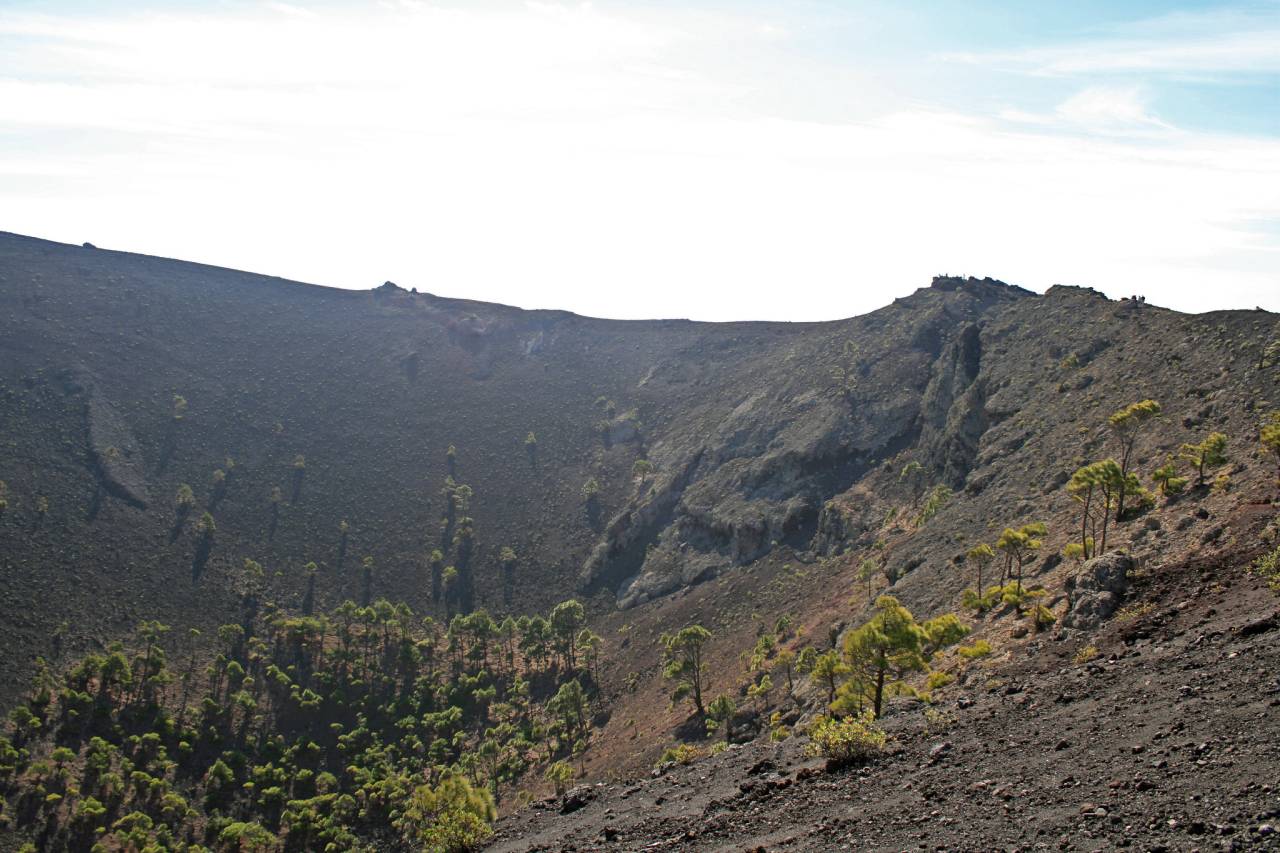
{"x":768,"y":464}
{"x":1097,"y":590}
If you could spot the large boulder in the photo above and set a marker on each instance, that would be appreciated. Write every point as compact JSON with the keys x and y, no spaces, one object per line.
{"x":1095,"y":592}
{"x":577,"y":797}
{"x":744,"y":727}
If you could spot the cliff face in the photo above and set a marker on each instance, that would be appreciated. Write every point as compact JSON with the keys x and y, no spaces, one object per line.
{"x":329,"y":415}
{"x":782,"y":432}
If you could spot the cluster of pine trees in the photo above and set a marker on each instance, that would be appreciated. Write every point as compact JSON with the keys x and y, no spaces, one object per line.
{"x":364,"y":729}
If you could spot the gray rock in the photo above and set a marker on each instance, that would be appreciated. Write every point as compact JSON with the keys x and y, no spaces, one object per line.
{"x":577,"y":797}
{"x":1097,"y":590}
{"x":744,"y":727}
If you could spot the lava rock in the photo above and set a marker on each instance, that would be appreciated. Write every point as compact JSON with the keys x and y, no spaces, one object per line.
{"x":1097,"y":590}
{"x":576,"y":798}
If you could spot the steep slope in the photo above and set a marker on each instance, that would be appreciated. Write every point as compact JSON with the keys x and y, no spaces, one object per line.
{"x":1165,"y":739}
{"x":1049,"y":371}
{"x":1052,"y":370}
{"x":763,"y":439}
{"x":346,"y":402}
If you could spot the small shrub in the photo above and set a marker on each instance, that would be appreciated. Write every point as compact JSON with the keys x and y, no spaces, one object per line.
{"x":1269,"y":436}
{"x":936,"y":720}
{"x":1078,"y":550}
{"x":1166,"y":477}
{"x":1270,"y":355}
{"x":939,"y":678}
{"x":559,"y":774}
{"x":1012,"y":594}
{"x":1141,"y":497}
{"x":1133,"y":611}
{"x":1267,"y":567}
{"x":1041,"y":617}
{"x":851,"y":740}
{"x":1086,"y":654}
{"x":979,"y":649}
{"x":970,"y":599}
{"x":681,"y":753}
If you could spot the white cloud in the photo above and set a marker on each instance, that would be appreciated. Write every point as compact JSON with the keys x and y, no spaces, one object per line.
{"x":1109,"y":106}
{"x":1222,"y":42}
{"x":1105,"y":110}
{"x":562,"y":156}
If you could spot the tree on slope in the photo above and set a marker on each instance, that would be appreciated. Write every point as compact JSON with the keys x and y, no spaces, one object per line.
{"x":1127,"y":426}
{"x":1019,"y":545}
{"x":979,"y":556}
{"x":452,"y":815}
{"x":891,"y":645}
{"x":682,"y":663}
{"x":886,"y":648}
{"x":1096,"y":486}
{"x":1212,"y":451}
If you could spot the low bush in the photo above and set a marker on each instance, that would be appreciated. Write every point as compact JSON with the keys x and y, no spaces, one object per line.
{"x":1267,"y":567}
{"x":845,"y":741}
{"x":1086,"y":654}
{"x":681,"y":753}
{"x":979,"y":649}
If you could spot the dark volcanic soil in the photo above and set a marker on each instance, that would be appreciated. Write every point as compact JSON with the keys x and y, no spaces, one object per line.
{"x":1168,"y":740}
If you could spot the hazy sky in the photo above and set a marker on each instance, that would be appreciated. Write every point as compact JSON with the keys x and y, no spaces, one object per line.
{"x":716,"y":160}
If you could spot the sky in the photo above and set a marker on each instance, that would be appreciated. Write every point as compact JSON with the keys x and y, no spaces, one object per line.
{"x":790,"y":160}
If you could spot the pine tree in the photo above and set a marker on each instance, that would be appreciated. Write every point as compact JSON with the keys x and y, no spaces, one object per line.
{"x":1212,"y":451}
{"x":1019,"y":545}
{"x":719,"y":713}
{"x":867,"y":570}
{"x":1097,"y":487}
{"x":570,"y":705}
{"x":979,"y":556}
{"x":892,"y":644}
{"x":886,"y":648}
{"x":452,"y":815}
{"x":1127,"y":426}
{"x":567,"y":619}
{"x":828,"y":670}
{"x":560,"y":774}
{"x":787,"y":663}
{"x":1166,"y":477}
{"x":682,"y":663}
{"x":912,"y":474}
